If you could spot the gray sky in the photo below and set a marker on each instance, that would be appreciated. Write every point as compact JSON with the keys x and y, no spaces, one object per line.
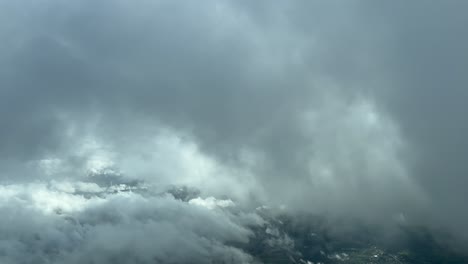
{"x":339,"y":107}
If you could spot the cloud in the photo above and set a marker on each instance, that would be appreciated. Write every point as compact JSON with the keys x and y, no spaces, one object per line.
{"x":311,"y":106}
{"x":47,"y":225}
{"x":211,"y":202}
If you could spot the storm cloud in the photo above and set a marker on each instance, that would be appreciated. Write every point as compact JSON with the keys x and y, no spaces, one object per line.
{"x":349,"y":109}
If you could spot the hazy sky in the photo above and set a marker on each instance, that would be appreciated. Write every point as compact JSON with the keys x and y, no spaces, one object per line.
{"x":349,"y":108}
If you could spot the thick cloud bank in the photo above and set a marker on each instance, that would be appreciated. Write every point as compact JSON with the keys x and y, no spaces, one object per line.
{"x":346,"y":110}
{"x":64,"y":222}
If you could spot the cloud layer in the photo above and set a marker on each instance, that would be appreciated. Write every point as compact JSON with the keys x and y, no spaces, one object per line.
{"x":55,"y":223}
{"x":345,"y":109}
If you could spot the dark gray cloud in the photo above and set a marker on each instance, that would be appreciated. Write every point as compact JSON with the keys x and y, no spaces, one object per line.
{"x":427,"y":62}
{"x":349,"y":109}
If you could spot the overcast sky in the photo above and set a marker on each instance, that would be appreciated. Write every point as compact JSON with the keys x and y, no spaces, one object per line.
{"x":349,"y":108}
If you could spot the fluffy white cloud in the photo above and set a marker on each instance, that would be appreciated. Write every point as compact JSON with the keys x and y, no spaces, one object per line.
{"x":51,"y":223}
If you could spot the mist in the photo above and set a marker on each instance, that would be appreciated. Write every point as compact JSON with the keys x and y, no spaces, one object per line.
{"x":340,"y":110}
